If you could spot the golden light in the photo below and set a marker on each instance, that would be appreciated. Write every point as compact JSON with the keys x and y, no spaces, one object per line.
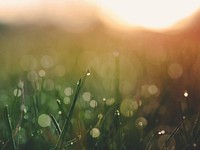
{"x":154,"y":14}
{"x":151,"y":14}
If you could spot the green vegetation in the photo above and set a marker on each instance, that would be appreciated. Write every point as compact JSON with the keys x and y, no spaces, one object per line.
{"x":125,"y":101}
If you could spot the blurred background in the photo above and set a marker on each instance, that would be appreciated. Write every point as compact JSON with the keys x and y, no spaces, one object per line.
{"x":146,"y":50}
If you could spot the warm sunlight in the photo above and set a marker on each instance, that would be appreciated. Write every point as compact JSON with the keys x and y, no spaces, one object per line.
{"x":151,"y":14}
{"x":156,"y":14}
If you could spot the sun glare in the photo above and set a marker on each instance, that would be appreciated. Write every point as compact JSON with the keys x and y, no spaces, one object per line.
{"x":154,"y":14}
{"x":151,"y":14}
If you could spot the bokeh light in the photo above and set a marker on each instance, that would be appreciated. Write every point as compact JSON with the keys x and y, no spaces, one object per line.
{"x":47,"y":61}
{"x":141,"y":122}
{"x":86,"y":96}
{"x":44,"y":120}
{"x":186,"y":94}
{"x":68,"y":91}
{"x":128,"y":107}
{"x":94,"y":132}
{"x":20,"y":84}
{"x":93,"y":103}
{"x":175,"y":70}
{"x":17,"y":92}
{"x":41,"y":73}
{"x":66,"y":100}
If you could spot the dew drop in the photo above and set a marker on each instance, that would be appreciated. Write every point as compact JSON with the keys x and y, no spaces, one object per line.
{"x":88,"y":73}
{"x":100,"y":116}
{"x":161,"y":132}
{"x":117,"y":113}
{"x":186,"y":94}
{"x":95,"y":133}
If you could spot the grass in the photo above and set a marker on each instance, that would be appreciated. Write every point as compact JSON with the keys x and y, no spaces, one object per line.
{"x":41,"y":119}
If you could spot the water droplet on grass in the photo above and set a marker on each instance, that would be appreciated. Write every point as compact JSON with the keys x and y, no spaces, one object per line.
{"x":88,"y":73}
{"x":94,"y":132}
{"x":185,"y":94}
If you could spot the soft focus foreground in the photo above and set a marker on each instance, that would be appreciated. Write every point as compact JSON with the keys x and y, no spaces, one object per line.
{"x":138,"y":90}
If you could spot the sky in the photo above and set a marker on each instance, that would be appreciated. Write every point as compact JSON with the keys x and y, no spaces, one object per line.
{"x":152,"y":14}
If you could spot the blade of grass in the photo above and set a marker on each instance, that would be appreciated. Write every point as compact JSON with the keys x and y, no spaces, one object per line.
{"x":60,"y":142}
{"x":196,"y":129}
{"x":64,"y":114}
{"x":56,"y":124}
{"x":171,"y":135}
{"x":9,"y":125}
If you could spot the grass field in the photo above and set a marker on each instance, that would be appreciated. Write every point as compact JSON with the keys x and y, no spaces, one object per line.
{"x":97,"y":90}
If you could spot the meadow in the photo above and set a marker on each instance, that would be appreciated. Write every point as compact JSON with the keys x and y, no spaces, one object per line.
{"x":100,"y":89}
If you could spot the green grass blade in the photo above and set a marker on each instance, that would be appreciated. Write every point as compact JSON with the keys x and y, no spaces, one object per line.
{"x":172,"y":135}
{"x":64,"y":114}
{"x":9,"y":125}
{"x":56,"y":124}
{"x":60,"y":142}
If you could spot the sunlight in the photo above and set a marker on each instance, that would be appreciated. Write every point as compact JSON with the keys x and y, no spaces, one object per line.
{"x":151,"y":14}
{"x":156,"y":14}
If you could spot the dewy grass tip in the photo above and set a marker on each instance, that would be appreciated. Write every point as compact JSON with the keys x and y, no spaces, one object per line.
{"x":61,"y":139}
